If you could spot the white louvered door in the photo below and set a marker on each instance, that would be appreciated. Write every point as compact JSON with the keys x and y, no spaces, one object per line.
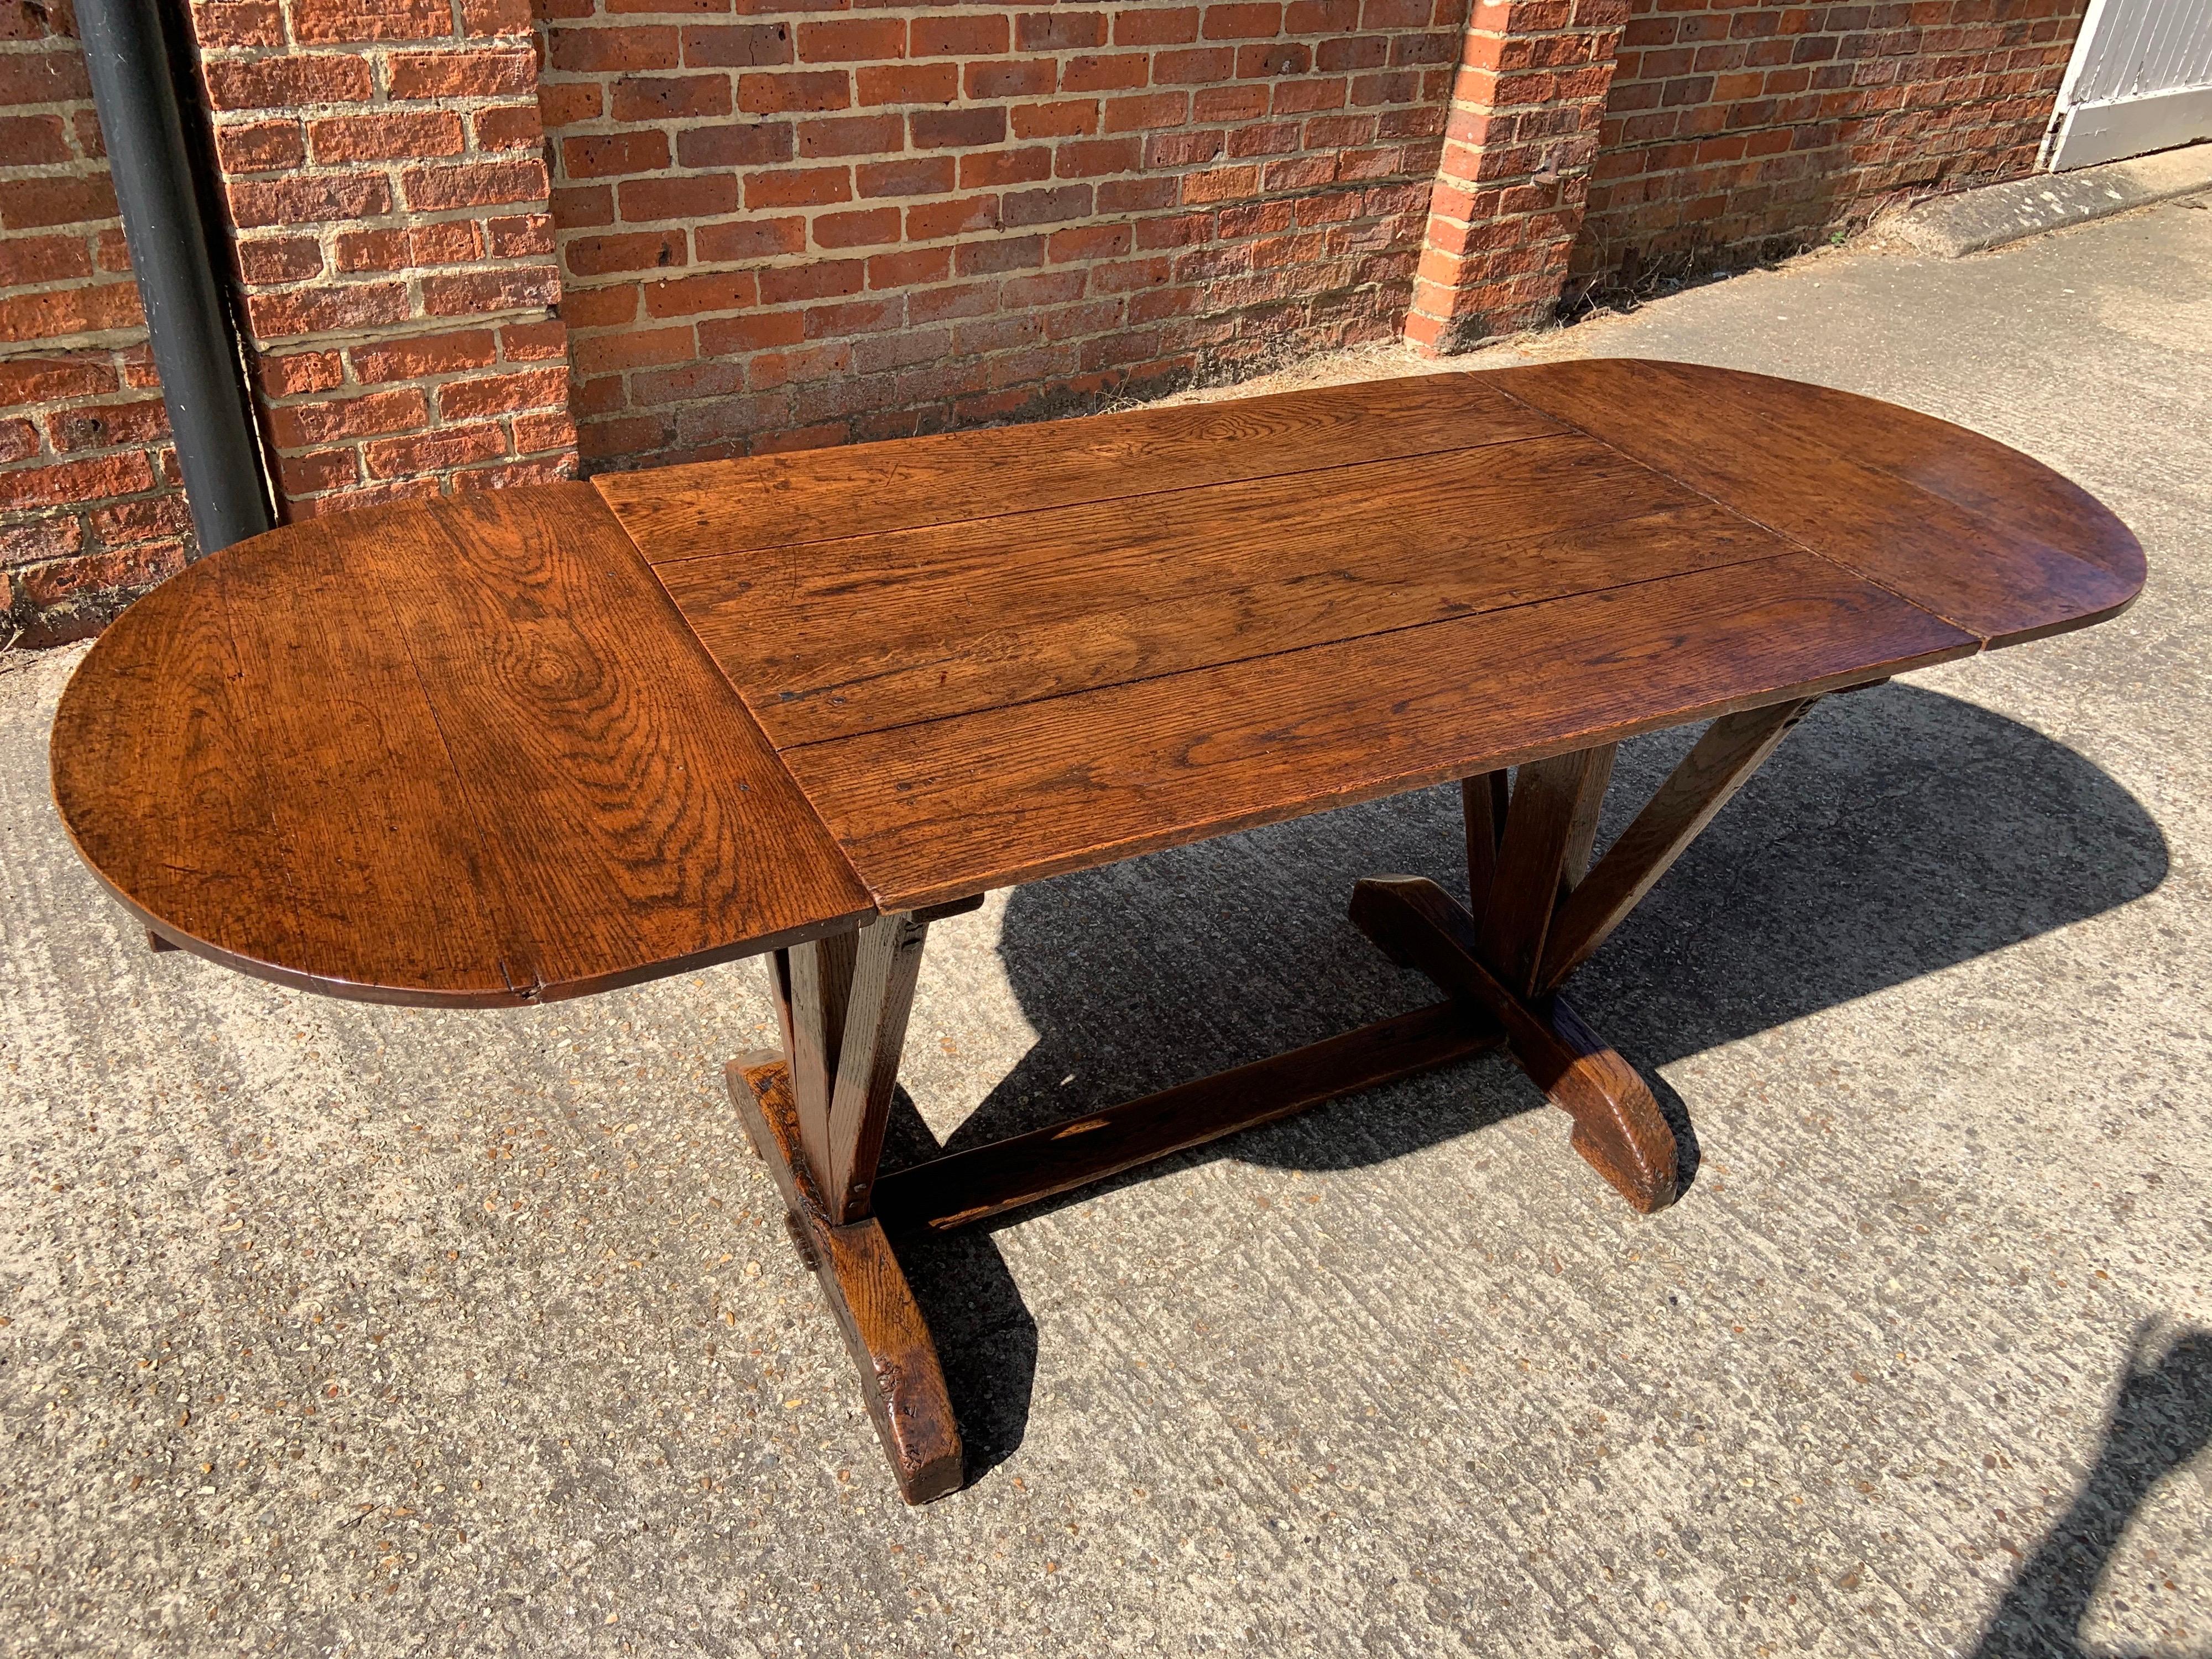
{"x":2141,"y":80}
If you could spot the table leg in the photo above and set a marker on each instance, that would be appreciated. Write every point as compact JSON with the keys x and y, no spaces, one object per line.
{"x":1539,"y":910}
{"x":902,"y":1383}
{"x":1618,"y":1129}
{"x":816,"y":1116}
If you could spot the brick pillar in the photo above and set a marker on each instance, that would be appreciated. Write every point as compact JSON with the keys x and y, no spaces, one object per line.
{"x":379,"y":164}
{"x":1522,"y":134}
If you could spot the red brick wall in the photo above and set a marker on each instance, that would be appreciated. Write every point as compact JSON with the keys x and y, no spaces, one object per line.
{"x":381,"y":173}
{"x":801,"y":223}
{"x":90,"y":513}
{"x":1523,"y":133}
{"x":1734,"y":131}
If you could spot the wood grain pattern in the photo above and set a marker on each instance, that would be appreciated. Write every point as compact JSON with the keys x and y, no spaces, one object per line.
{"x":461,"y":752}
{"x":1982,"y":536}
{"x":961,"y":806}
{"x":993,"y":656}
{"x":901,"y":1382}
{"x":965,"y":1188}
{"x":1553,"y":815}
{"x":821,"y":991}
{"x":884,"y":977}
{"x":862,"y":634}
{"x":777,"y":501}
{"x":1483,"y":799}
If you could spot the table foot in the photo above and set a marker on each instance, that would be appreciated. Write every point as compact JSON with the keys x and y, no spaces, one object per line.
{"x":1618,"y":1129}
{"x":901,"y":1381}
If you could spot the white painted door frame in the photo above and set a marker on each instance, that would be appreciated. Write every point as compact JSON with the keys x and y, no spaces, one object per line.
{"x":2140,"y":80}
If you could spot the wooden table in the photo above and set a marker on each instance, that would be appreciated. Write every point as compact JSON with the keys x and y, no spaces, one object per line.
{"x":510,"y":747}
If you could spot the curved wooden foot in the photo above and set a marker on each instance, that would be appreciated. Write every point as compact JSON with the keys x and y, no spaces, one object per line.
{"x":901,"y":1382}
{"x":1619,"y":1130}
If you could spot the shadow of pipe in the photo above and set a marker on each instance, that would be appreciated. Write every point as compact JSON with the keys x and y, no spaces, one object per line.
{"x":1899,"y":831}
{"x":2160,"y":1418}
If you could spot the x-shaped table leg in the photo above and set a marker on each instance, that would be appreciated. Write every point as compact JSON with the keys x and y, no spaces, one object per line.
{"x":1536,"y":916}
{"x":817,"y":1113}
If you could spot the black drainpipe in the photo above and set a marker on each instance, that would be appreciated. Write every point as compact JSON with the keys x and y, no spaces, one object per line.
{"x":186,"y":321}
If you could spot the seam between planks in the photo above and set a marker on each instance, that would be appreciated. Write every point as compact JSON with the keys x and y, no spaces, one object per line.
{"x":690,"y":635}
{"x":1317,"y":645}
{"x":1818,"y":553}
{"x":1106,"y":501}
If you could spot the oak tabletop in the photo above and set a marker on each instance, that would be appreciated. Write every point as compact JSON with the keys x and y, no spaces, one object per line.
{"x":532,"y":743}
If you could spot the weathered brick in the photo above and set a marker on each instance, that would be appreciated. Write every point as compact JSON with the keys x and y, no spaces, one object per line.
{"x":489,"y":396}
{"x":327,"y":21}
{"x":475,"y":72}
{"x":289,"y":259}
{"x":298,"y":426}
{"x":920,"y":176}
{"x":634,"y":47}
{"x":609,"y":155}
{"x":1156,"y":26}
{"x":850,"y":135}
{"x":950,"y":128}
{"x":473,"y":293}
{"x":27,"y":259}
{"x":512,"y":126}
{"x":799,"y":90}
{"x":431,"y":451}
{"x":693,"y":196}
{"x":852,"y":40}
{"x":670,"y":97}
{"x":748,"y":143}
{"x":384,"y":135}
{"x":738,"y":46}
{"x":34,"y":202}
{"x":750,"y":238}
{"x":53,"y":76}
{"x":306,"y":198}
{"x":869,"y":228}
{"x":148,"y":519}
{"x":96,"y":478}
{"x":806,"y":187}
{"x":287,"y":374}
{"x":1058,"y":31}
{"x":92,"y":309}
{"x":261,"y":146}
{"x":907,"y":83}
{"x":686,"y":296}
{"x":326,"y":310}
{"x":958,"y":36}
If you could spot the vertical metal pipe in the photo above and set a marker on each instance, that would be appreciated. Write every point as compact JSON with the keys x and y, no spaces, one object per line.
{"x":187,"y":322}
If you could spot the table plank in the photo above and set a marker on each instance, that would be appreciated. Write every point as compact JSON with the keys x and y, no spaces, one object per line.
{"x":779,"y":500}
{"x":869,"y":633}
{"x":959,"y":805}
{"x":1979,"y":534}
{"x":459,"y":751}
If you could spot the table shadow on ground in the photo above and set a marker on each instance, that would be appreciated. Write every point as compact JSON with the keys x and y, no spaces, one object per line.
{"x":1898,"y":832}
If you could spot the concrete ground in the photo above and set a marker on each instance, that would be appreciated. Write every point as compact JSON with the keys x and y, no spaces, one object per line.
{"x":333,"y":1329}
